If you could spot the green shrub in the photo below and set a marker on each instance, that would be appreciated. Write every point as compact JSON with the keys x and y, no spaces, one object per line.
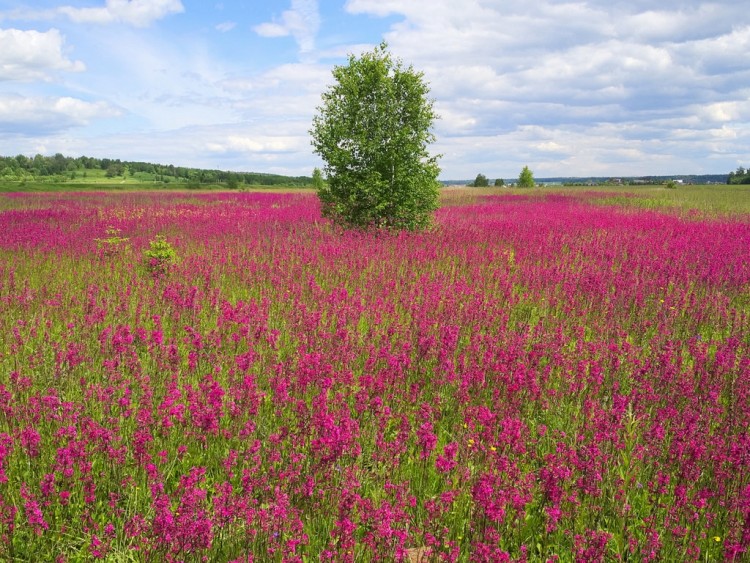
{"x":160,"y":255}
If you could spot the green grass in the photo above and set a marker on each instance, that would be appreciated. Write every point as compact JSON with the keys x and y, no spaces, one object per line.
{"x":715,"y":199}
{"x":97,"y":180}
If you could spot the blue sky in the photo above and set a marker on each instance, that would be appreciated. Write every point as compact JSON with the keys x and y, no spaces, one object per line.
{"x":569,"y":88}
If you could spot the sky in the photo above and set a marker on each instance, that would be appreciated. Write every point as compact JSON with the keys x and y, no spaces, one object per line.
{"x":568,"y":88}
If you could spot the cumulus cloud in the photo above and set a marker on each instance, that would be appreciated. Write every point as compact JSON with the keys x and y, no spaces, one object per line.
{"x":617,"y":84}
{"x":22,"y":115}
{"x":250,"y":144}
{"x":297,"y":77}
{"x":241,"y":146}
{"x":725,"y":112}
{"x":301,"y":21}
{"x":33,"y":55}
{"x":605,"y":87}
{"x":139,"y":13}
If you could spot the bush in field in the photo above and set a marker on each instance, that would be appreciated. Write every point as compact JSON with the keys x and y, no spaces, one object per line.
{"x":372,"y":131}
{"x":499,"y":183}
{"x":526,"y":178}
{"x":160,"y":255}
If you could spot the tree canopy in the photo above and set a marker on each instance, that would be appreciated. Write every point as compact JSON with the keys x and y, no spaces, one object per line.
{"x":481,"y":181}
{"x":526,"y":178}
{"x":317,"y":179}
{"x":372,"y":132}
{"x":740,"y":176}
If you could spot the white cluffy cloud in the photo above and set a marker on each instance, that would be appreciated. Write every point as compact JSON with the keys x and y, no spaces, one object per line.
{"x":568,"y":87}
{"x":302,"y":21}
{"x":139,"y":13}
{"x":588,"y":87}
{"x":247,"y":144}
{"x":32,"y":55}
{"x":41,"y":115}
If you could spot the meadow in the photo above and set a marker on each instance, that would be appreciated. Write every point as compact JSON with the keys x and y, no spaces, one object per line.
{"x":550,"y":375}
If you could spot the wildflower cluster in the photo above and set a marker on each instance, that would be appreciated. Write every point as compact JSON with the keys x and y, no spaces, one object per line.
{"x":538,"y":378}
{"x":113,"y":243}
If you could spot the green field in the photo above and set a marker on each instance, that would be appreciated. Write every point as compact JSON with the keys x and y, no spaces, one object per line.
{"x":61,"y":173}
{"x":704,"y":199}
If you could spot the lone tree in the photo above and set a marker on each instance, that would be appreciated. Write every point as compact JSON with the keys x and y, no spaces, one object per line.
{"x":526,"y":178}
{"x":372,"y":132}
{"x":481,"y":181}
{"x":499,"y":183}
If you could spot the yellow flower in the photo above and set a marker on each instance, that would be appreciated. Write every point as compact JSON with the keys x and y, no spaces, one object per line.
{"x":717,"y":538}
{"x":493,"y":448}
{"x":471,"y":442}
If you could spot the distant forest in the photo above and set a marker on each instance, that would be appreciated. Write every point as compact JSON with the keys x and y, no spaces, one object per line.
{"x":59,"y":168}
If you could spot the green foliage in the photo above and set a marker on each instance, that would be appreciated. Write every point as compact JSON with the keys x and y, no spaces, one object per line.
{"x":372,"y":131}
{"x":115,"y":169}
{"x":57,"y":169}
{"x":499,"y":183}
{"x":481,"y":181}
{"x":317,"y":179}
{"x":160,"y":255}
{"x":671,"y":185}
{"x":740,"y":176}
{"x":526,"y":178}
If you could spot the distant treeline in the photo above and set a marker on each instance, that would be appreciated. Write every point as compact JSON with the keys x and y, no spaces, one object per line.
{"x":740,"y":176}
{"x":60,"y":168}
{"x":645,"y":180}
{"x":610,"y":181}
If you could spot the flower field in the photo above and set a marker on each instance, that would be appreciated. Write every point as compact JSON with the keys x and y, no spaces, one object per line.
{"x":539,"y":378}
